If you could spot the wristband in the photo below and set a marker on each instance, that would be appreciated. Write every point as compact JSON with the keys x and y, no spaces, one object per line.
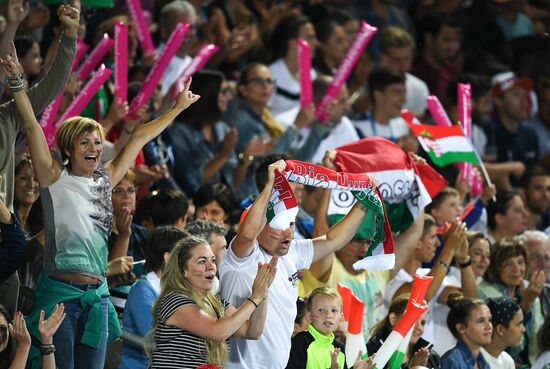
{"x":252,"y":301}
{"x":47,"y":349}
{"x":465,"y":264}
{"x":16,"y":83}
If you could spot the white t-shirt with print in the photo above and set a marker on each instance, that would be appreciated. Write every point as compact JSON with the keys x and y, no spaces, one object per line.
{"x":393,"y":131}
{"x":503,"y":361}
{"x":237,"y":275}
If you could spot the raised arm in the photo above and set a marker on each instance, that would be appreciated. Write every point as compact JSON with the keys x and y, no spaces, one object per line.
{"x":47,"y":168}
{"x":118,"y":167}
{"x":235,"y":321}
{"x":255,"y":220}
{"x":45,"y":91}
{"x":340,"y":234}
{"x":17,"y":11}
{"x":321,"y":226}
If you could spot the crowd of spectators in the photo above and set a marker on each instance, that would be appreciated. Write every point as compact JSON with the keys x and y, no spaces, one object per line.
{"x":125,"y":244}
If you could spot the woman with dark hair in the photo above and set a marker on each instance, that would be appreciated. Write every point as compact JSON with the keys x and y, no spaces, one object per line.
{"x":203,"y":145}
{"x":26,"y":190}
{"x":333,"y":45}
{"x":418,"y":353}
{"x":215,"y":203}
{"x":258,"y":128}
{"x":506,"y":278}
{"x":15,"y":340}
{"x":137,"y":319}
{"x":28,"y":53}
{"x":506,"y":217}
{"x":285,"y":67}
{"x":470,"y":323}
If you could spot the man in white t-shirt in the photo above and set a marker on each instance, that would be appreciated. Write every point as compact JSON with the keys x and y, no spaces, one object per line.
{"x":256,"y":242}
{"x":171,"y":14}
{"x":508,"y":329}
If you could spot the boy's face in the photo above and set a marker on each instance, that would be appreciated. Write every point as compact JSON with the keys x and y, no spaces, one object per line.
{"x":325,"y":313}
{"x":449,"y":209}
{"x":392,"y":99}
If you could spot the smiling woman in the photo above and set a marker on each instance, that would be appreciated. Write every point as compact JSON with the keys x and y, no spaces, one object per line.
{"x":191,"y":325}
{"x":78,"y":217}
{"x":26,"y":189}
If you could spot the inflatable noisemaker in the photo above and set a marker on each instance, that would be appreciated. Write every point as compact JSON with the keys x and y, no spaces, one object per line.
{"x":121,"y":62}
{"x":353,"y":309}
{"x":154,"y":76}
{"x":398,"y":334}
{"x":143,"y":34}
{"x":345,"y":294}
{"x":442,"y":119}
{"x":95,"y":57}
{"x":350,"y":59}
{"x":467,"y":171}
{"x":203,"y":56}
{"x":355,"y":340}
{"x":419,"y":288}
{"x":90,"y":89}
{"x":304,"y":68}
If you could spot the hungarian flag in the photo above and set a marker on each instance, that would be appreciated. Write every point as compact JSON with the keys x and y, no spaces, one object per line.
{"x":405,"y":186}
{"x":445,"y":144}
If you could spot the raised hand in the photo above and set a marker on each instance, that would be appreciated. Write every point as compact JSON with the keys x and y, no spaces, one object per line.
{"x":185,"y":98}
{"x":10,"y":63}
{"x":334,"y":359}
{"x":124,"y":222}
{"x":455,"y":234}
{"x":279,"y":165}
{"x":70,"y":18}
{"x":328,"y":159}
{"x":18,"y":330}
{"x":258,"y":147}
{"x":272,"y":270}
{"x":536,"y":284}
{"x":305,"y":116}
{"x":47,"y":328}
{"x":367,"y":363}
{"x":264,"y":277}
{"x":229,"y":142}
{"x":420,"y":357}
{"x":17,"y":11}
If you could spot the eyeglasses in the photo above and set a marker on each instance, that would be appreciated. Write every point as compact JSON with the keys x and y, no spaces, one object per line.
{"x":119,"y":191}
{"x":361,"y":241}
{"x":227,"y":91}
{"x":259,"y":81}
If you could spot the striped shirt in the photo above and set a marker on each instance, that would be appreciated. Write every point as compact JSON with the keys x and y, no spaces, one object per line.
{"x":176,"y":348}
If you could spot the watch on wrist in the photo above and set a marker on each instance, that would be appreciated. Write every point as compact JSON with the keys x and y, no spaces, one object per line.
{"x":466,"y":264}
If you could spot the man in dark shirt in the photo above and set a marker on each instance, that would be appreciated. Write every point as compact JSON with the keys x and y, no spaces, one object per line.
{"x":511,"y":139}
{"x":441,"y":42}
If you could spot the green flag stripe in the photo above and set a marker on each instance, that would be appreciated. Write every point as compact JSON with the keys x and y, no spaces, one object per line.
{"x":453,"y":157}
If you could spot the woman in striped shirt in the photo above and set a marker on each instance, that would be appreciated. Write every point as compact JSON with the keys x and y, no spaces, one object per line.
{"x":191,"y":324}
